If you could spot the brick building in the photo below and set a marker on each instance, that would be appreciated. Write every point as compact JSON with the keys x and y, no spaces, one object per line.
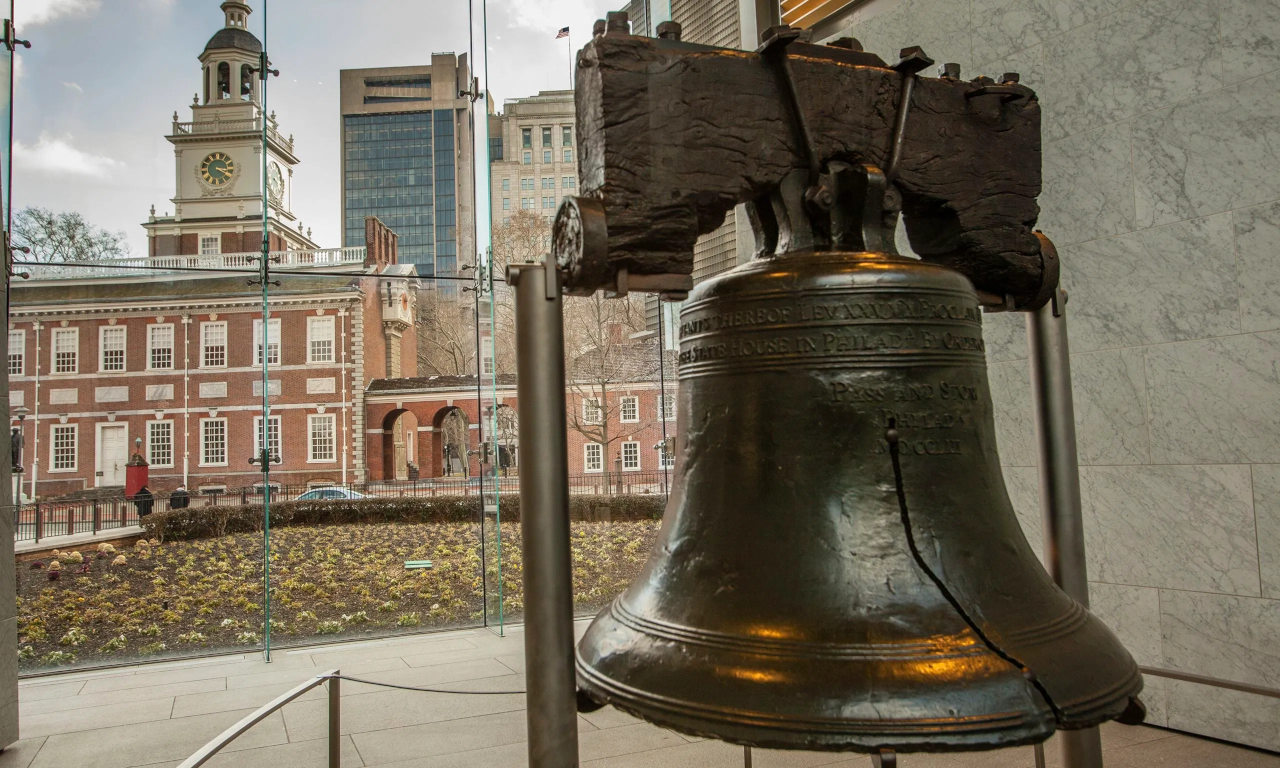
{"x":175,"y":360}
{"x":420,"y":421}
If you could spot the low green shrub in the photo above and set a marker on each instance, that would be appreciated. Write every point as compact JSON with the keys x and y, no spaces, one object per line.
{"x":197,"y":522}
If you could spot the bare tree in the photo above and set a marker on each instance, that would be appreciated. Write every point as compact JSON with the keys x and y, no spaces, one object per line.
{"x":446,"y":333}
{"x":62,"y":237}
{"x":525,"y":237}
{"x":600,"y":355}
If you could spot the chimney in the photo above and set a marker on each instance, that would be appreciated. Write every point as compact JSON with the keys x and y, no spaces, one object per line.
{"x":381,"y":244}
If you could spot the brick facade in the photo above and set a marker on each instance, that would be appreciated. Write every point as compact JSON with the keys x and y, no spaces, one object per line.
{"x":107,"y":406}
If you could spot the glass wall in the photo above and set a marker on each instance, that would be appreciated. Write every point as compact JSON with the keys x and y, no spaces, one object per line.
{"x":239,"y":441}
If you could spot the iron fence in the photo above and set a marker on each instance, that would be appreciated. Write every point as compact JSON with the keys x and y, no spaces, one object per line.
{"x":77,"y":515}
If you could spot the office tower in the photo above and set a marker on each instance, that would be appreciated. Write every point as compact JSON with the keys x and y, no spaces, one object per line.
{"x":407,"y":159}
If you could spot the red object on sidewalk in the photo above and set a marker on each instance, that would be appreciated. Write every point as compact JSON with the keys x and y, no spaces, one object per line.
{"x":136,"y":475}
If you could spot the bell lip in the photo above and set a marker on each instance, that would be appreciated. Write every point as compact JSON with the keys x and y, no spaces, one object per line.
{"x":755,"y":732}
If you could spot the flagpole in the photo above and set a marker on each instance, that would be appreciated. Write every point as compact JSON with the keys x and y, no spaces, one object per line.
{"x":569,"y":37}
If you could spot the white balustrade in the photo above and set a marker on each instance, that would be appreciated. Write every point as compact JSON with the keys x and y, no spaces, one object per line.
{"x":294,"y":259}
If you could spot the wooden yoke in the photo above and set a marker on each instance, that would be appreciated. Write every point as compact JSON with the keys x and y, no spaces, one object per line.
{"x":673,"y":135}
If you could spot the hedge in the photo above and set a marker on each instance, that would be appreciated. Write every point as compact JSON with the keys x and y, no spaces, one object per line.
{"x":204,"y":522}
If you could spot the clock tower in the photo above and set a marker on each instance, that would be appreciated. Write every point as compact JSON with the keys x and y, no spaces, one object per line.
{"x":217,"y":205}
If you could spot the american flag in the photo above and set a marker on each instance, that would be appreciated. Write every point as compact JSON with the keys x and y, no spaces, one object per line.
{"x":562,"y":33}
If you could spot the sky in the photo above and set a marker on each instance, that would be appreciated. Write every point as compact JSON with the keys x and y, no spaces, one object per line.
{"x":96,"y":92}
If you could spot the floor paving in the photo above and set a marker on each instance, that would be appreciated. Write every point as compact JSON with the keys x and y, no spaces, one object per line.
{"x":154,"y":716}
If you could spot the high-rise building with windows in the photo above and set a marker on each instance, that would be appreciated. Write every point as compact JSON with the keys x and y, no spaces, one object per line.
{"x":407,"y":159}
{"x":533,"y":153}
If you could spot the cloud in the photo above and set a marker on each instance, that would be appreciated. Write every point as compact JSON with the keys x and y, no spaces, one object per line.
{"x":29,"y":12}
{"x":73,"y":86}
{"x":52,"y":154}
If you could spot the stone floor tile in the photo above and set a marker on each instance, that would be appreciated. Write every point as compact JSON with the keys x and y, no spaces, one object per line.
{"x":237,"y":699}
{"x":21,"y":753}
{"x":515,"y":755}
{"x":608,"y":717}
{"x":293,"y":755}
{"x":440,"y":738}
{"x":336,"y":657}
{"x":704,"y":754}
{"x":1179,"y":751}
{"x":444,"y":675}
{"x":624,"y":740}
{"x":261,"y":678}
{"x":122,"y":697}
{"x":42,"y":688}
{"x":162,"y":675}
{"x":392,"y":708}
{"x":94,"y":718}
{"x":155,"y":742}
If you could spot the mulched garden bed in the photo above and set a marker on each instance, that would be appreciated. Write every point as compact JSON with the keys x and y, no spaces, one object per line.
{"x":328,"y":582}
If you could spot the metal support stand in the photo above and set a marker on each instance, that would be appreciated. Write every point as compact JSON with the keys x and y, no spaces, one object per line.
{"x":885,"y":758}
{"x":1064,"y":556}
{"x":335,"y":722}
{"x":551,"y":698}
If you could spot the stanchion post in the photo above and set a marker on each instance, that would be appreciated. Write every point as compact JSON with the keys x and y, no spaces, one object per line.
{"x":1049,"y":357}
{"x":551,"y":692}
{"x":335,"y":721}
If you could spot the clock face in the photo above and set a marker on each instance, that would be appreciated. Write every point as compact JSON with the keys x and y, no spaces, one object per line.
{"x":275,"y":181}
{"x":217,"y":169}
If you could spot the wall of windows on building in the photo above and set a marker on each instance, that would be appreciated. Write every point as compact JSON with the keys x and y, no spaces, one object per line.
{"x":533,"y":155}
{"x":173,"y":370}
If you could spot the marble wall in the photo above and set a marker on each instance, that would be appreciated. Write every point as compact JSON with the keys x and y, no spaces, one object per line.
{"x":1162,"y":192}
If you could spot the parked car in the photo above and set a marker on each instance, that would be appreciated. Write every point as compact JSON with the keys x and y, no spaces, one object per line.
{"x":317,"y":494}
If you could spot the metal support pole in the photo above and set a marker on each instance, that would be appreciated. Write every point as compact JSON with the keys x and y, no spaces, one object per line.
{"x":1064,"y":555}
{"x":551,"y":698}
{"x":335,"y":722}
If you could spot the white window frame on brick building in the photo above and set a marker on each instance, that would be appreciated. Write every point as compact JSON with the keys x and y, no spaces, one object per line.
{"x":160,"y":442}
{"x":273,"y":342}
{"x":322,"y":339}
{"x":64,"y":447}
{"x":210,"y":245}
{"x":592,"y":458}
{"x":273,"y":439}
{"x":629,"y":409}
{"x":526,"y":203}
{"x":213,"y":451}
{"x":568,"y":155}
{"x":527,"y":158}
{"x":66,"y":351}
{"x":526,"y":185}
{"x":17,"y":353}
{"x":548,"y":182}
{"x":549,"y":202}
{"x":213,"y":355}
{"x":113,"y":343}
{"x":592,"y":411}
{"x":630,"y":453}
{"x":506,"y":203}
{"x":569,"y":182}
{"x":506,"y":185}
{"x":667,"y":406}
{"x":546,"y":155}
{"x":322,"y":441}
{"x":160,"y":353}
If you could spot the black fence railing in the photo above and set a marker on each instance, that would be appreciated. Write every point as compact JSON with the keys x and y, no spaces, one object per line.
{"x":71,"y":516}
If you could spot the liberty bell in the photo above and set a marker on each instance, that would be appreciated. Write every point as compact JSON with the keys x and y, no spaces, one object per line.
{"x":839,"y":566}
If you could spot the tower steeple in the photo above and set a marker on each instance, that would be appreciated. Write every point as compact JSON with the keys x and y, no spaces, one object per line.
{"x":237,"y":14}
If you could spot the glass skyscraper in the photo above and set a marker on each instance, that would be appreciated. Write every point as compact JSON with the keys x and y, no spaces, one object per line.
{"x":400,"y":158}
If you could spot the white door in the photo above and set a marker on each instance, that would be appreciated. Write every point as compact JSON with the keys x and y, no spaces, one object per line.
{"x":113,"y":454}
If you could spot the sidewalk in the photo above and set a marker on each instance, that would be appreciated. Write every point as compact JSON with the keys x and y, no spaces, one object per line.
{"x":75,"y":540}
{"x":157,"y":715}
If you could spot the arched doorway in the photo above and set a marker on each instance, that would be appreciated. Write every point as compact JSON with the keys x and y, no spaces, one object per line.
{"x":454,"y":443}
{"x":400,"y":460}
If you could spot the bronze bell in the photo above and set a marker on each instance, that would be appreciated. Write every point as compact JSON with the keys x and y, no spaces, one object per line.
{"x":839,"y":566}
